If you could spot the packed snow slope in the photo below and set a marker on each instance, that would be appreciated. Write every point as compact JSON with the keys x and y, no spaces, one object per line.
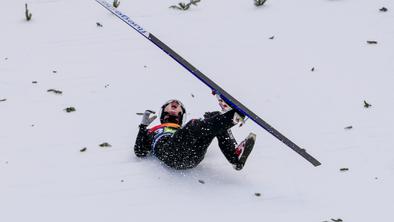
{"x":304,"y":66}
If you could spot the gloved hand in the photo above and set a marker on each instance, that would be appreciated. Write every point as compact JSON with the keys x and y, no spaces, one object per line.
{"x":147,"y":117}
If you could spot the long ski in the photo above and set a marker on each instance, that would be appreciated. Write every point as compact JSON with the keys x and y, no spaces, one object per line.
{"x":214,"y":87}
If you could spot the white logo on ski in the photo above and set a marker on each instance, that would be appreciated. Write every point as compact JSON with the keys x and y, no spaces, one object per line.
{"x":124,"y":17}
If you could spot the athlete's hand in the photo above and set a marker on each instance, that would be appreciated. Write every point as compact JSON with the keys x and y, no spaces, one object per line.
{"x":148,"y":117}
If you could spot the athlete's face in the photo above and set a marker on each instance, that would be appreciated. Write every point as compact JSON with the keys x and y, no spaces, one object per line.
{"x":173,"y":109}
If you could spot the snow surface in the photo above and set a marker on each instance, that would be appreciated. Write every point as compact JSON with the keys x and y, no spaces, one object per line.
{"x":110,"y":73}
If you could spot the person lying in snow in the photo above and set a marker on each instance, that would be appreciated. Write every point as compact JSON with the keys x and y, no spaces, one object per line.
{"x":182,"y":147}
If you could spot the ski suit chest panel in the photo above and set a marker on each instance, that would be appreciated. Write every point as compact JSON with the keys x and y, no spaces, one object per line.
{"x":162,"y":131}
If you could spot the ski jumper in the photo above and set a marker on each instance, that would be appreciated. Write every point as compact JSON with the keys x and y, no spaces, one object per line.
{"x":185,"y":147}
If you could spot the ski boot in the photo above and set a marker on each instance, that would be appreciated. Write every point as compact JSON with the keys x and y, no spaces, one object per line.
{"x":243,"y":151}
{"x":238,"y":118}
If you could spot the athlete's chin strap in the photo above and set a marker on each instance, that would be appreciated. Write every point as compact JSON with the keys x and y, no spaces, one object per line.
{"x":171,"y":119}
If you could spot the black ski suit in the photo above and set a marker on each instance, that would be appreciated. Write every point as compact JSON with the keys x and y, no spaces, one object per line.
{"x":183,"y":148}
